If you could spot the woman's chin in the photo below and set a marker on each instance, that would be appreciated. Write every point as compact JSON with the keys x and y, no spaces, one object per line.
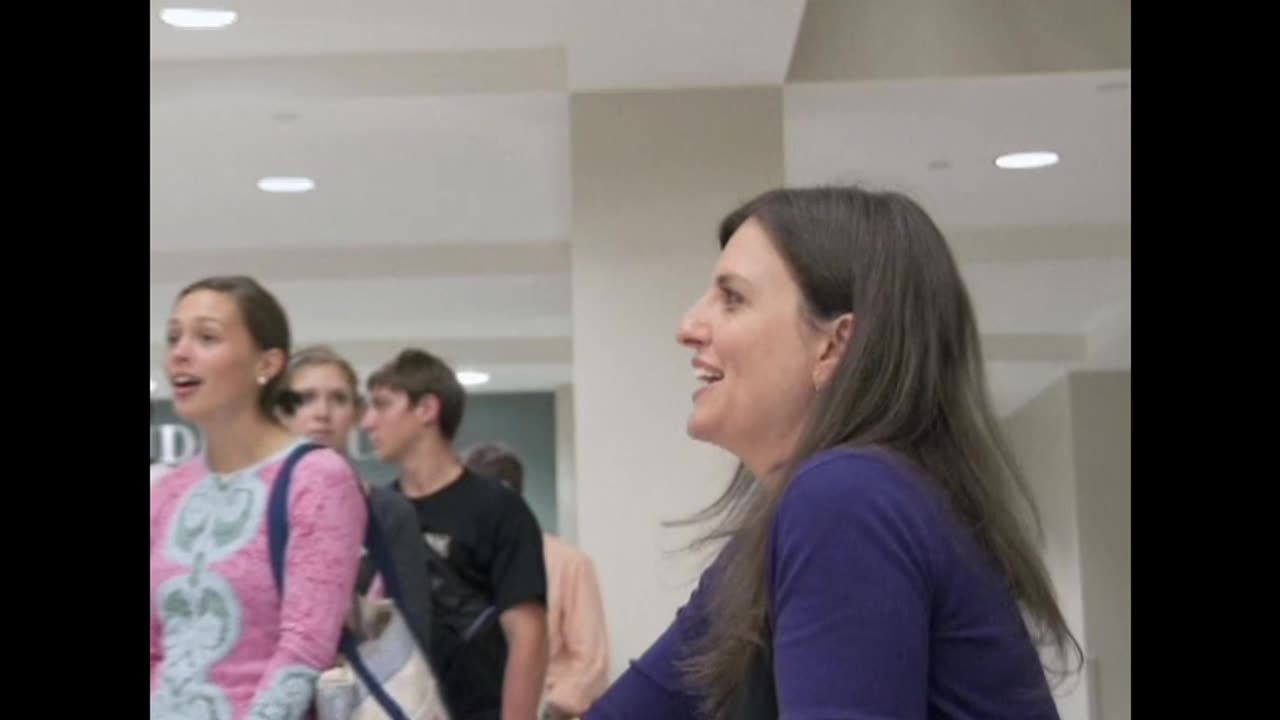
{"x":699,"y":428}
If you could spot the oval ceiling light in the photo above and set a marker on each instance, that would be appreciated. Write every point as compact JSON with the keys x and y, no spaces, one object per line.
{"x":197,"y":18}
{"x":286,"y":184}
{"x":1027,"y":160}
{"x":472,"y":377}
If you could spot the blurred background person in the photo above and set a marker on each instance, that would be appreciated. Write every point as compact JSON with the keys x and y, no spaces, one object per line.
{"x":578,"y":668}
{"x":326,"y":409}
{"x":489,"y":584}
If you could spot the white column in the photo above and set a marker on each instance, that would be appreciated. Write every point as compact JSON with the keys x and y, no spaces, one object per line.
{"x":653,"y":174}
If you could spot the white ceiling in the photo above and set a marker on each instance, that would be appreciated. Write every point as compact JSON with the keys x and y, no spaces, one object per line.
{"x":438,"y":133}
{"x":1056,"y":296}
{"x":390,"y":171}
{"x":888,"y":132}
{"x":611,"y":44}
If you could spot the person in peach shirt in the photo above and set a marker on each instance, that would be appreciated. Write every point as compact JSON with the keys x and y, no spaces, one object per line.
{"x":578,"y":671}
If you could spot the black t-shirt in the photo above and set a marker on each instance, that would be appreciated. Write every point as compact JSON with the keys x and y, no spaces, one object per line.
{"x":485,"y":549}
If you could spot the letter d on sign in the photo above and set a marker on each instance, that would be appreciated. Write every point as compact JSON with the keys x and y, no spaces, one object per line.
{"x":177,"y":444}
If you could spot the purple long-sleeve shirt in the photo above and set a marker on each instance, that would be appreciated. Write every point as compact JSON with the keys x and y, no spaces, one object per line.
{"x":882,"y":606}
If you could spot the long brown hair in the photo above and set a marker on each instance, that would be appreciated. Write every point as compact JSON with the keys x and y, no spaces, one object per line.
{"x":911,"y":383}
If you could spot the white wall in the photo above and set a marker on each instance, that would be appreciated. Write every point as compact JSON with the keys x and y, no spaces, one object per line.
{"x":1041,"y":435}
{"x":1101,"y":410}
{"x":653,"y":174}
{"x":1074,"y":443}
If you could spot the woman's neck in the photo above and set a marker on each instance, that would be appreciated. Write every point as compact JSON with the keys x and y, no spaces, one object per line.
{"x":243,"y":442}
{"x":766,"y":467}
{"x":767,"y":459}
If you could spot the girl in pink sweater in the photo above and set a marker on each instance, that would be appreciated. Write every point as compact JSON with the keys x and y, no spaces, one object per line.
{"x":224,"y":644}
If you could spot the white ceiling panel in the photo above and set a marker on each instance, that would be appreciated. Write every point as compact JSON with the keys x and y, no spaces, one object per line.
{"x":889,"y":133}
{"x":1060,"y":296}
{"x":403,"y":171}
{"x":611,"y":44}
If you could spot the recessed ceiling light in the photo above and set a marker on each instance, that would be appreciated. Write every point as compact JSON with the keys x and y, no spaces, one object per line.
{"x":472,"y":377}
{"x":197,"y":18}
{"x":1027,"y":160}
{"x":286,"y":184}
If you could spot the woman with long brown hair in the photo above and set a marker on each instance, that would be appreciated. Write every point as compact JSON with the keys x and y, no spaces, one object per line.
{"x":879,"y":558}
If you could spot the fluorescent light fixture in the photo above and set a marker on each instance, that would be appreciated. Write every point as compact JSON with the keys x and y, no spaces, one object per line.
{"x":286,"y":184}
{"x":197,"y":19}
{"x":472,"y":377}
{"x":1027,"y":160}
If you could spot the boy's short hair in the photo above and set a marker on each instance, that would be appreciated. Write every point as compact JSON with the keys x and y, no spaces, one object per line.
{"x":418,"y":373}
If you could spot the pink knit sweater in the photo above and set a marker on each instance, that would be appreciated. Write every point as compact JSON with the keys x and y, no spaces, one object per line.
{"x":223,"y":644}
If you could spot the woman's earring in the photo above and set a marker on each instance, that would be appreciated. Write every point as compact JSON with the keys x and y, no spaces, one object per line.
{"x":262,"y":379}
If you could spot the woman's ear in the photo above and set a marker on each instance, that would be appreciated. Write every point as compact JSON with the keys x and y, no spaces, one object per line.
{"x":835,"y":343}
{"x":270,"y":363}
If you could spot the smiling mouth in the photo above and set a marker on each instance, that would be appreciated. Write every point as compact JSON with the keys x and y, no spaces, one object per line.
{"x":707,"y":376}
{"x":185,"y":384}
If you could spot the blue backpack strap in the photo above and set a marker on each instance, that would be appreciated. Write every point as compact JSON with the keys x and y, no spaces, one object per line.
{"x":375,"y":544}
{"x":278,"y":512}
{"x":278,"y":540}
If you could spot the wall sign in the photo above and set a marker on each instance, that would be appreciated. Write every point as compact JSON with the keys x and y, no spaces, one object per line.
{"x":174,"y":443}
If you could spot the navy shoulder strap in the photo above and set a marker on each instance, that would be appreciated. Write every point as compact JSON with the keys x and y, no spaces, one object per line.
{"x":278,"y":512}
{"x":278,"y":529}
{"x":278,"y":540}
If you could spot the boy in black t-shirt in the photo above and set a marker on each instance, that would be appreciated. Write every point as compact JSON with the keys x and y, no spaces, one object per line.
{"x":489,"y":586}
